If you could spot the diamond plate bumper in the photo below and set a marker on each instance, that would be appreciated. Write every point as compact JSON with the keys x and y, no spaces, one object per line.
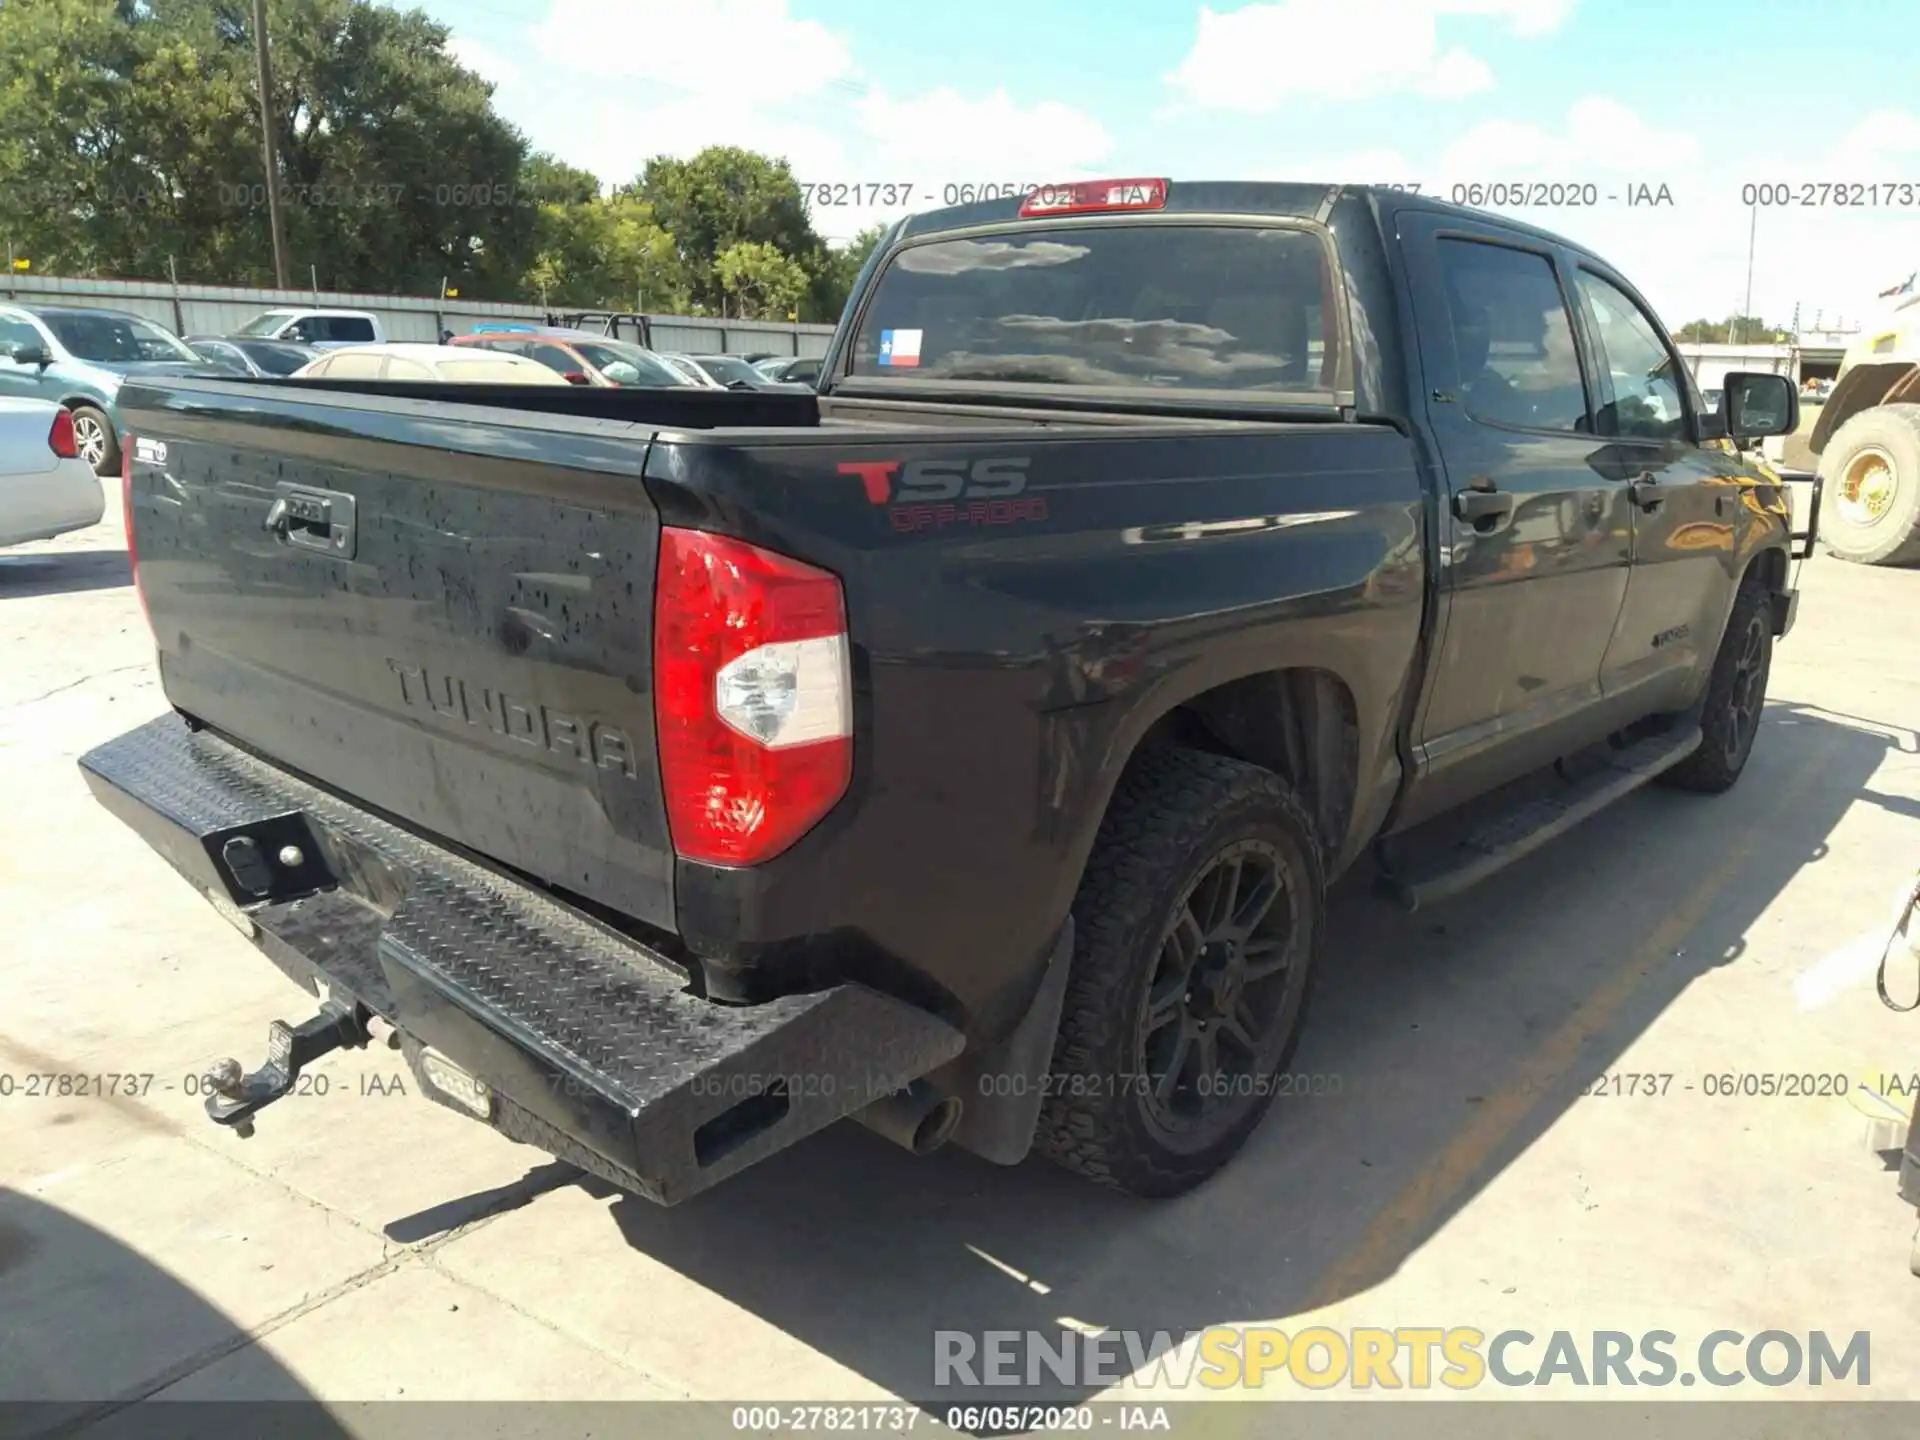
{"x":592,"y":1045}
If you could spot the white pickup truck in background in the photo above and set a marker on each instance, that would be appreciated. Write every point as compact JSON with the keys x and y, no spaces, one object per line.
{"x":324,"y":329}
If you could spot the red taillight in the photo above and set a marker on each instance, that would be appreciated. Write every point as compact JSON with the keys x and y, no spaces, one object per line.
{"x":752,"y":696}
{"x":1085,"y":197}
{"x":61,"y":436}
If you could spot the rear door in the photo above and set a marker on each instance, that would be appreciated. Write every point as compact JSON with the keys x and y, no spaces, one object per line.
{"x":441,"y":611}
{"x":1685,"y":498}
{"x":1535,"y":540}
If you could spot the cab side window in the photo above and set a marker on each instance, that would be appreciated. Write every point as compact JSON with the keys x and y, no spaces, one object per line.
{"x":1648,"y":393}
{"x":1512,"y":338}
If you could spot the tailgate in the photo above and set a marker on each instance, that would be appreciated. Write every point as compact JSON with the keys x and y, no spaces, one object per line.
{"x":443,"y":611}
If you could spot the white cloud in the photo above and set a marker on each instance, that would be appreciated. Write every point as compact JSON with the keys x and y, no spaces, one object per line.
{"x":944,"y":135}
{"x":1600,"y":136}
{"x":486,"y":62}
{"x":1456,"y":74}
{"x":722,"y":49}
{"x":695,"y":73}
{"x":1691,"y":257}
{"x":1381,"y":165}
{"x":1881,"y":146}
{"x":1253,"y":59}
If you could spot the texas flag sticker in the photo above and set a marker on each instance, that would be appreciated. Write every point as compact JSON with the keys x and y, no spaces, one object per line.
{"x":900,"y":347}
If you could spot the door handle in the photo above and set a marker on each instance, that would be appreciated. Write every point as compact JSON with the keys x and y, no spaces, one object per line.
{"x":306,"y":519}
{"x":1481,"y":508}
{"x":1644,"y":491}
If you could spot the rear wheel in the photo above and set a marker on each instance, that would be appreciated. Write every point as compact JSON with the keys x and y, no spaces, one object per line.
{"x":1197,"y":927}
{"x":1871,"y":509}
{"x":94,"y":438}
{"x":1736,"y":695}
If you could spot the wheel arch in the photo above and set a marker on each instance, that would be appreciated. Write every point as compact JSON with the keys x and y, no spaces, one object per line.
{"x":1304,"y":721}
{"x":1863,"y":388}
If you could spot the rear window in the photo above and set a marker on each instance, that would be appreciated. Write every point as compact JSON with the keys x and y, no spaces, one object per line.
{"x":1189,"y":307}
{"x":629,"y":364}
{"x":278,"y":359}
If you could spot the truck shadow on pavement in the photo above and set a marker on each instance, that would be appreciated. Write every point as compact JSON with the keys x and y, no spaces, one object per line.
{"x":1455,"y":1037}
{"x":63,"y":572}
{"x":89,"y":1328}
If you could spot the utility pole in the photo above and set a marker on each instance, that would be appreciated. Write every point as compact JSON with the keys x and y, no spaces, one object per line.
{"x":1753,"y":227}
{"x":269,"y":150}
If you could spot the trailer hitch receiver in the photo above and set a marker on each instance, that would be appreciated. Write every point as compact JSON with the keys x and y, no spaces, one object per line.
{"x":233,"y":1097}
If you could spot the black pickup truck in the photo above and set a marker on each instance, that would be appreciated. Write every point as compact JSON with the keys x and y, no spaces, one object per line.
{"x":968,"y":747}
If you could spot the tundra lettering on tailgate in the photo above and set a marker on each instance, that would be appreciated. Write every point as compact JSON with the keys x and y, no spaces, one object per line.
{"x":592,"y":742}
{"x":933,"y":494}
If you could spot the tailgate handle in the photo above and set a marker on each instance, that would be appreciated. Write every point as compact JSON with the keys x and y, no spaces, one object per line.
{"x":319,"y":520}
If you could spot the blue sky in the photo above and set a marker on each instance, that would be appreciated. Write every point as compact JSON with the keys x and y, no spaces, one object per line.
{"x":1703,"y":96}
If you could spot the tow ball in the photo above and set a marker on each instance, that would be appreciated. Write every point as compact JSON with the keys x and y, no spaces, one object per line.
{"x":235,"y":1097}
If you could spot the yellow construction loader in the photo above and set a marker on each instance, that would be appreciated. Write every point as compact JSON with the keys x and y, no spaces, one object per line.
{"x":1868,"y":441}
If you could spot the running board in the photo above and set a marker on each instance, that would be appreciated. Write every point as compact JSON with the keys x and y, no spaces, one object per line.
{"x":1519,"y":831}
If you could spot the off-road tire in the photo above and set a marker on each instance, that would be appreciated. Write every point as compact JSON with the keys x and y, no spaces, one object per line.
{"x":1174,"y":812}
{"x":1893,"y":538}
{"x":1717,"y":763}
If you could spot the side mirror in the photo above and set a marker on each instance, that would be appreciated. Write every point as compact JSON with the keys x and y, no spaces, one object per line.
{"x":575,"y":377}
{"x":33,"y":355}
{"x":1758,"y":405}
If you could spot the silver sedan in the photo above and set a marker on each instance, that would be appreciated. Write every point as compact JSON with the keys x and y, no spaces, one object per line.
{"x":46,"y":488}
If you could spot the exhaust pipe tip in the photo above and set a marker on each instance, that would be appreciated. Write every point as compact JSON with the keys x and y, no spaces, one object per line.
{"x":919,"y":1118}
{"x":937,"y":1126}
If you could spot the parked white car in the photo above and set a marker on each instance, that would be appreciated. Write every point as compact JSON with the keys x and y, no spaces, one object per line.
{"x":323,"y":329}
{"x":408,"y":361}
{"x":46,"y":489}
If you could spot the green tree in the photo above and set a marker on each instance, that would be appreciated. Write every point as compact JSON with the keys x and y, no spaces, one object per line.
{"x":836,"y":269}
{"x":115,"y":120}
{"x":600,"y":252}
{"x":720,"y":198}
{"x":129,"y":132}
{"x":760,"y":282}
{"x":399,"y":171}
{"x":1735,"y":329}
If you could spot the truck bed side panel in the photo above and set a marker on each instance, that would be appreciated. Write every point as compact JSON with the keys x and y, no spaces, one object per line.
{"x":1010,"y":655}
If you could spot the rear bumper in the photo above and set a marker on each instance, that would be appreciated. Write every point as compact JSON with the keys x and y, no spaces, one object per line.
{"x":589,"y":1045}
{"x":51,"y":502}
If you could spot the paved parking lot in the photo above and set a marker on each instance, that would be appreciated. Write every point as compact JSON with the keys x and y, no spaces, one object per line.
{"x":365,"y":1244}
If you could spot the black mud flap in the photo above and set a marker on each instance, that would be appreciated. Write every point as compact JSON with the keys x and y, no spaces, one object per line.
{"x":512,"y":1007}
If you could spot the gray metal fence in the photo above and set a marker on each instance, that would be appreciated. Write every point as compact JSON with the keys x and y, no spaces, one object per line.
{"x":219,"y":309}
